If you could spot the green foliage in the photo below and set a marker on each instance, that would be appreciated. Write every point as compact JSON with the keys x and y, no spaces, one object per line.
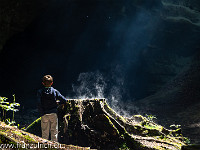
{"x":148,"y":122}
{"x":7,"y":106}
{"x":124,"y":146}
{"x":150,"y":126}
{"x":175,"y":126}
{"x":37,"y":130}
{"x":186,"y":140}
{"x":163,"y":137}
{"x":150,"y":118}
{"x":9,"y":122}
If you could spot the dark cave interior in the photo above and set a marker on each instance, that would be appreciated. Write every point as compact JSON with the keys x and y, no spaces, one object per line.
{"x":134,"y":45}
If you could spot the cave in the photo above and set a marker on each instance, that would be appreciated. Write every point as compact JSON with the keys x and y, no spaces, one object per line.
{"x":142,"y":56}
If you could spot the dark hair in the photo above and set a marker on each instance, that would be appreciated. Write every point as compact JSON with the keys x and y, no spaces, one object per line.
{"x":47,"y":80}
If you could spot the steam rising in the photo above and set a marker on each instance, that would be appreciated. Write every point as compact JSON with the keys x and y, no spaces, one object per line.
{"x":96,"y":85}
{"x":91,"y":85}
{"x":123,"y":52}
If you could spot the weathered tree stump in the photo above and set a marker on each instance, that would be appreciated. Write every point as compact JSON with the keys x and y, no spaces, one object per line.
{"x":92,"y":123}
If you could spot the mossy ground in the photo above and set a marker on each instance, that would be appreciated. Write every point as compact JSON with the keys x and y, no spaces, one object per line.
{"x":15,"y":137}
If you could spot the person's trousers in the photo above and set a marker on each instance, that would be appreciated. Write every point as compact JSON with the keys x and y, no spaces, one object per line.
{"x":49,"y":123}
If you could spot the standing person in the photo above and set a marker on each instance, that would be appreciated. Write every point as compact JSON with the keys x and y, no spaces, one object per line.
{"x":48,"y":98}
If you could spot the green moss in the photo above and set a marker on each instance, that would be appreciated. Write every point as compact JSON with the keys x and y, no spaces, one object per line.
{"x":124,"y":146}
{"x":111,"y":111}
{"x":111,"y":124}
{"x":151,"y":126}
{"x":140,"y":116}
{"x":29,"y":139}
{"x":17,"y":132}
{"x":5,"y":138}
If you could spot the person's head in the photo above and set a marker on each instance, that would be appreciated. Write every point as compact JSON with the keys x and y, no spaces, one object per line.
{"x":47,"y":80}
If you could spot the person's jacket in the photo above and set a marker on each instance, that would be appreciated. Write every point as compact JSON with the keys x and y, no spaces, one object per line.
{"x":47,"y":98}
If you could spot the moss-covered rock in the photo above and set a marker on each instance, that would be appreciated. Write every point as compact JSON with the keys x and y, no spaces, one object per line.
{"x":19,"y":139}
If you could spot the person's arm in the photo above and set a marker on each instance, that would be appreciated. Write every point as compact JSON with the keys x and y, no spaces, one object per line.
{"x":60,"y":97}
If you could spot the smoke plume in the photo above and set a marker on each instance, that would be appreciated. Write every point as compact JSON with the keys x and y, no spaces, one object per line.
{"x":97,"y":85}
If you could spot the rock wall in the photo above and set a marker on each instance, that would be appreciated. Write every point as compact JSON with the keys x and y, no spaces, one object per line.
{"x":193,"y":4}
{"x":178,"y":101}
{"x":16,"y":15}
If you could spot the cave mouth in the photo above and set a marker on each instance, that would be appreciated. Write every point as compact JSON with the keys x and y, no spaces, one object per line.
{"x":136,"y":50}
